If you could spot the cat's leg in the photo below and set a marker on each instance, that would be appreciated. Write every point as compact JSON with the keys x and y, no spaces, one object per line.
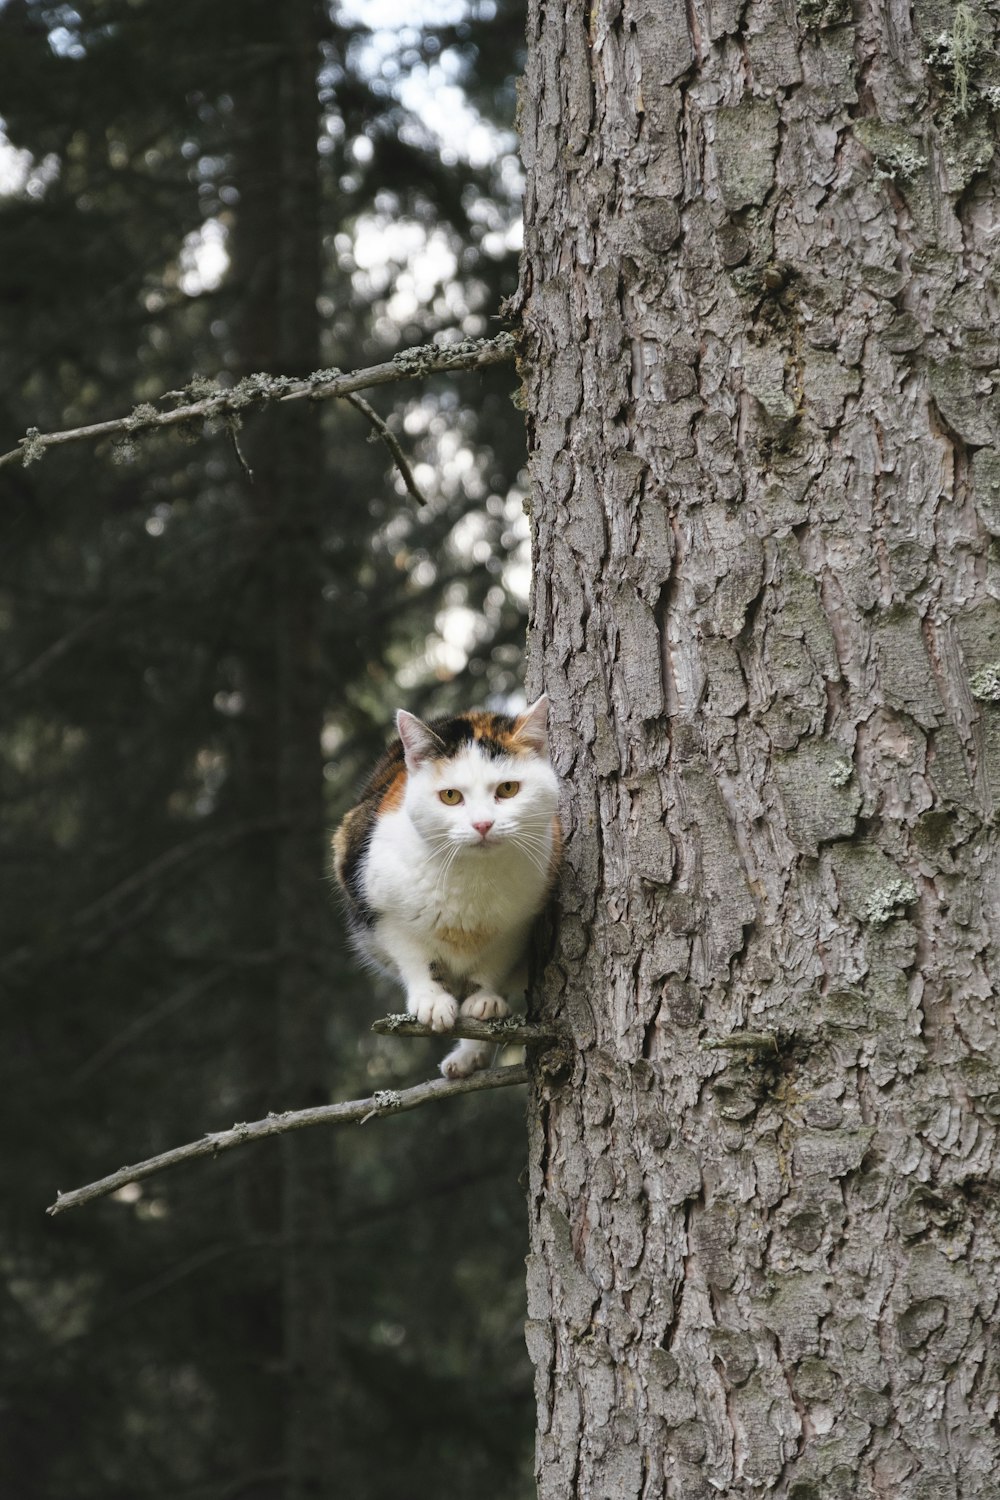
{"x":426,"y":999}
{"x":468,"y":1057}
{"x":484,"y":1003}
{"x":499,"y":975}
{"x":502,"y":976}
{"x":431,"y":1003}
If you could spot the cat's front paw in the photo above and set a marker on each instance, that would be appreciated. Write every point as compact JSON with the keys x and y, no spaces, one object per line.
{"x":434,"y":1008}
{"x":484,"y":1005}
{"x":466,"y":1058}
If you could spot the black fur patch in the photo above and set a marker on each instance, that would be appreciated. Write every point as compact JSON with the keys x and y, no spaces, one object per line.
{"x":486,"y":730}
{"x":350,"y":850}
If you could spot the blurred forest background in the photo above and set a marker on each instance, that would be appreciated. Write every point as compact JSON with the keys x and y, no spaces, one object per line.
{"x":196,"y":673}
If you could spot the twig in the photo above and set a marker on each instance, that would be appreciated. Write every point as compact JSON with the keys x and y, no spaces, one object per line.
{"x":750,"y":1041}
{"x":234,"y":437}
{"x":508,"y":1031}
{"x":259,"y":389}
{"x":386,"y":1101}
{"x":391,"y":443}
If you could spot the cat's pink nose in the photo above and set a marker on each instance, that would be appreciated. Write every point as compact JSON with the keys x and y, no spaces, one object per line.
{"x":483,"y":828}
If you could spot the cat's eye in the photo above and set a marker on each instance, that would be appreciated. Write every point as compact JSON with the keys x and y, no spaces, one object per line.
{"x":508,"y":788}
{"x":450,"y":797}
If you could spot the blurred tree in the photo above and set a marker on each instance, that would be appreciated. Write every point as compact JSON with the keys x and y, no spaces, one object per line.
{"x":196,"y":669}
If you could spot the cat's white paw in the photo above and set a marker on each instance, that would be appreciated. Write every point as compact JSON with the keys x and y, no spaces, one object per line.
{"x":466,"y":1058}
{"x":434,"y":1008}
{"x":484,"y":1005}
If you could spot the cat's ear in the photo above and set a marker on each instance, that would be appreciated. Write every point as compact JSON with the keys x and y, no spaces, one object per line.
{"x":531,"y":727}
{"x":419,"y":742}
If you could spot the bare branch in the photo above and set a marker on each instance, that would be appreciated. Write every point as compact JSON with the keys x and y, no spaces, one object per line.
{"x":260,"y":389}
{"x":385,"y":1102}
{"x":233,"y":425}
{"x":509,"y":1031}
{"x":390,"y":442}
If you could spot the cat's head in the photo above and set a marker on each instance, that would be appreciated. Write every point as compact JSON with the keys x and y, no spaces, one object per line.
{"x":480,"y":780}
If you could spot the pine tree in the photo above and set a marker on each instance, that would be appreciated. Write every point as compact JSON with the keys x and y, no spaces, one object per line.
{"x":761,"y":344}
{"x":180,"y":645}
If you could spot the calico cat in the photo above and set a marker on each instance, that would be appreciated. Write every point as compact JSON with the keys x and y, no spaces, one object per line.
{"x":446,"y":861}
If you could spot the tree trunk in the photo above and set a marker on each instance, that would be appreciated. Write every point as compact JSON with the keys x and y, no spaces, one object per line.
{"x":760,"y":356}
{"x":279,"y":242}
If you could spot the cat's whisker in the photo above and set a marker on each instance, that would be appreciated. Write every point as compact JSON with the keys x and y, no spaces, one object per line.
{"x":452,"y":858}
{"x":535,"y":861}
{"x":450,"y":855}
{"x":528,"y":836}
{"x":532,"y":853}
{"x":531,"y":841}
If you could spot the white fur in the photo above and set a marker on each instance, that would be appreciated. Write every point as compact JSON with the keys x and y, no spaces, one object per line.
{"x":432,"y":878}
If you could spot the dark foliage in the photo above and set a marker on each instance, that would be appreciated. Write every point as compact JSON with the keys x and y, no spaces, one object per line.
{"x":196,"y":671}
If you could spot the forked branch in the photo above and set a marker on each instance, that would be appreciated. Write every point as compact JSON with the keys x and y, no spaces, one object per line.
{"x":259,"y":390}
{"x":391,"y":442}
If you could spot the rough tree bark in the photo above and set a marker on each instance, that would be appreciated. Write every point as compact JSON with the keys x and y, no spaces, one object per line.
{"x":761,"y":361}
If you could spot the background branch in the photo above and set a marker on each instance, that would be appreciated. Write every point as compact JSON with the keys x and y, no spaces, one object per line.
{"x":391,"y":443}
{"x":384,"y":1102}
{"x":258,"y":390}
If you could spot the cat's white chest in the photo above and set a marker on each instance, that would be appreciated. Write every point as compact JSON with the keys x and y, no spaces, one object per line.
{"x":462,"y":901}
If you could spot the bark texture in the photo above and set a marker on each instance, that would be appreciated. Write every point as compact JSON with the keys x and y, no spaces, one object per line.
{"x":761,"y":358}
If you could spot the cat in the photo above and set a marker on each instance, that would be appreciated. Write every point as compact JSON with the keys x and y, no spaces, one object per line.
{"x":446,"y":861}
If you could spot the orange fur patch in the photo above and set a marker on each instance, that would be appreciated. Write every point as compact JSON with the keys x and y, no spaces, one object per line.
{"x":487,"y":726}
{"x":465,"y":939}
{"x":393,"y":795}
{"x":344,"y":837}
